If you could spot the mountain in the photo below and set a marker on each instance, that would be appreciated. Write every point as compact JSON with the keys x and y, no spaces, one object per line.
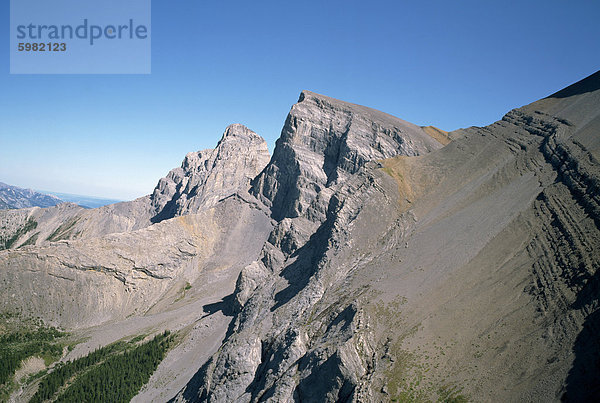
{"x":368,"y":259}
{"x":13,"y":197}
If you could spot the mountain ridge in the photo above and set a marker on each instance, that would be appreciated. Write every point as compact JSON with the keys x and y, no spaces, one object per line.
{"x":363,"y":261}
{"x":14,"y":197}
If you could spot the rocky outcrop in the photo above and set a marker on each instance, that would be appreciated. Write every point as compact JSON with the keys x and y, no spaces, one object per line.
{"x":315,"y":185}
{"x":364,"y":262}
{"x":310,"y":339}
{"x":204,"y":178}
{"x":322,"y":143}
{"x":207,"y":176}
{"x":422,"y":278}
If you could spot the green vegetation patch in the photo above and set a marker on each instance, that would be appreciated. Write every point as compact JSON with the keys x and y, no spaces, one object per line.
{"x":406,"y":377}
{"x":114,"y":373}
{"x":62,"y":232}
{"x":31,"y":241}
{"x":29,"y":225}
{"x":451,"y":394}
{"x":17,"y":346}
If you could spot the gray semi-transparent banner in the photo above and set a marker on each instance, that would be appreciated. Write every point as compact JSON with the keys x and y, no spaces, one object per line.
{"x":80,"y":37}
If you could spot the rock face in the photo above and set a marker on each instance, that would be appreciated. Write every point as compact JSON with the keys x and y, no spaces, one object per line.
{"x":366,"y":261}
{"x":207,"y":176}
{"x":118,"y":275}
{"x":322,"y":143}
{"x":13,"y":197}
{"x":422,"y":278}
{"x":315,"y":170}
{"x":204,"y":178}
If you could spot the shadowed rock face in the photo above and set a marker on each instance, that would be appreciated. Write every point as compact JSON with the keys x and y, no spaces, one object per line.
{"x":467,"y":271}
{"x":322,"y":143}
{"x":364,"y":262}
{"x":207,"y":176}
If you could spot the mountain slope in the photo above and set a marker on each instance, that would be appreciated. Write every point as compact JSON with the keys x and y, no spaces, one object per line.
{"x":115,"y":264}
{"x":469,"y":271}
{"x":368,"y":260}
{"x":204,"y":178}
{"x":13,"y":197}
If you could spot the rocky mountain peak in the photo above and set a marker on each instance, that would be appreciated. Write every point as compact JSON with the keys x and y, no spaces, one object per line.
{"x":237,"y":130}
{"x":207,"y":176}
{"x":424,"y":278}
{"x":323,"y":141}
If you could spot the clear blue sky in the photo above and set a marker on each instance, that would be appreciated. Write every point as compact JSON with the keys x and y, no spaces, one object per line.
{"x":449,"y":64}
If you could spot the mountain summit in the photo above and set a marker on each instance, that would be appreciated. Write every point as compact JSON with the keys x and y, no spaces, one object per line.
{"x":207,"y":176}
{"x":368,"y":259}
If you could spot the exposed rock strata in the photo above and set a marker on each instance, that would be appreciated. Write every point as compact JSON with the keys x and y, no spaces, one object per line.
{"x":207,"y":176}
{"x":204,"y":178}
{"x":323,"y":142}
{"x":323,"y":147}
{"x":372,"y":263}
{"x":435,"y":284}
{"x":80,"y":283}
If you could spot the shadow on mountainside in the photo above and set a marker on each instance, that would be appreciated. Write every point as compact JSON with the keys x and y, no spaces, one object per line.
{"x":167,"y":212}
{"x":588,"y":84}
{"x":583,"y":380}
{"x":298,"y":274}
{"x":190,"y":391}
{"x":304,"y":265}
{"x":225,"y":305}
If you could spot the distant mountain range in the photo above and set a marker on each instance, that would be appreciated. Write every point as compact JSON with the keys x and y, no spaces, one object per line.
{"x":13,"y":197}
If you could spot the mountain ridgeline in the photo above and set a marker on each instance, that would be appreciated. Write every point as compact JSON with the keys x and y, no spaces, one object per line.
{"x":367,"y":259}
{"x":13,"y":197}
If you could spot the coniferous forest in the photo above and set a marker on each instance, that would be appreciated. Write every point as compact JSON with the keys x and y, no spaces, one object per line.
{"x":18,"y":346}
{"x":114,"y":373}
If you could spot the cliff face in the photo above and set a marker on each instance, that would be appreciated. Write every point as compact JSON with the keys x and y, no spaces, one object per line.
{"x":204,"y":178}
{"x":315,"y":173}
{"x":469,"y":271}
{"x":366,"y":261}
{"x":323,"y":142}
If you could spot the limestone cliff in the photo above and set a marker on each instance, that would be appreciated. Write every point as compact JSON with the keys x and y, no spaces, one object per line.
{"x":468,"y":272}
{"x":365,"y":261}
{"x":323,"y":142}
{"x":204,"y":178}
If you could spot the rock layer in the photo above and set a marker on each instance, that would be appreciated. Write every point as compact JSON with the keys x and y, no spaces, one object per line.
{"x":426,"y":277}
{"x":365,"y":262}
{"x":204,"y":178}
{"x":207,"y":176}
{"x":322,"y":143}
